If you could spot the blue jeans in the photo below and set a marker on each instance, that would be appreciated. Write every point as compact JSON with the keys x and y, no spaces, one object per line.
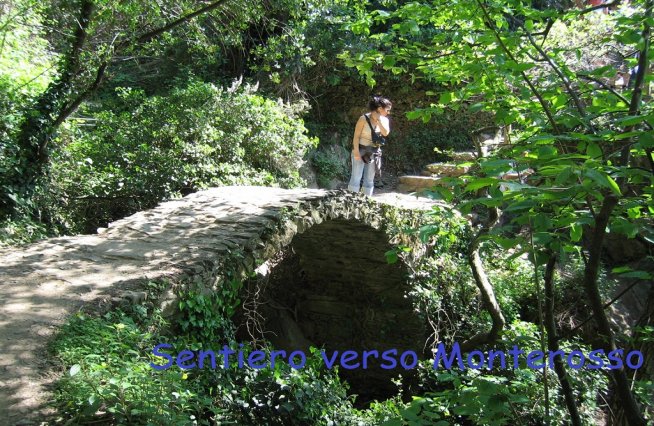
{"x":359,"y":169}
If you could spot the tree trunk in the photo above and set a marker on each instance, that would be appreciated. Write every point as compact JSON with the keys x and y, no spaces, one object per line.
{"x":622,"y":385}
{"x":58,"y":101}
{"x":39,"y":125}
{"x":553,"y":343}
{"x":486,"y":290}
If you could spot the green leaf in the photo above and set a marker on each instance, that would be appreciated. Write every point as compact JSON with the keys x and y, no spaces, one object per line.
{"x":496,"y":167}
{"x":393,"y":422}
{"x":476,"y":107}
{"x":646,"y":140}
{"x":602,"y":179}
{"x":446,"y":98}
{"x":391,"y":257}
{"x":480,"y":183}
{"x":414,"y":115}
{"x":576,"y":232}
{"x":642,"y":275}
{"x":605,"y":71}
{"x":529,"y":25}
{"x":630,"y":120}
{"x":593,"y":150}
{"x":559,"y":100}
{"x":389,"y":61}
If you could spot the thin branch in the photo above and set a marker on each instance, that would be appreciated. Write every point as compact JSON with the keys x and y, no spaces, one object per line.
{"x":643,"y":67}
{"x":144,"y":38}
{"x":550,"y":24}
{"x":76,"y":103}
{"x":533,"y":89}
{"x":605,"y":86}
{"x":553,"y":342}
{"x":566,"y":83}
{"x":570,"y":332}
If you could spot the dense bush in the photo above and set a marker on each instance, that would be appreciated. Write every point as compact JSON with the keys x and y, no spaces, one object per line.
{"x":331,"y":163}
{"x":147,"y":149}
{"x":26,"y":69}
{"x":109,"y":378}
{"x":499,"y":396}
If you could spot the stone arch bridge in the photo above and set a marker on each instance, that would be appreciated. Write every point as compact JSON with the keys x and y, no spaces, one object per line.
{"x":336,"y":270}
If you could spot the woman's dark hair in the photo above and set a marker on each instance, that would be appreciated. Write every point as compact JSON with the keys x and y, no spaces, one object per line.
{"x":379,"y":101}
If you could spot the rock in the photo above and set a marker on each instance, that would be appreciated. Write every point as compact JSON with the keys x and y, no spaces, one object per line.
{"x":515,"y":176}
{"x":464,"y":156}
{"x":620,"y":249}
{"x":445,"y":169}
{"x":333,"y":184}
{"x":309,"y":175}
{"x":416,"y":183}
{"x":135,"y":297}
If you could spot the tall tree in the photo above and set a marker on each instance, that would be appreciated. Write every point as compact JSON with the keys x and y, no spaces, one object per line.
{"x":91,"y":35}
{"x":587,"y":145}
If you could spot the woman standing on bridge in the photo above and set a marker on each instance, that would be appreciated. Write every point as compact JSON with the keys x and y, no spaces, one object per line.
{"x":369,"y":134}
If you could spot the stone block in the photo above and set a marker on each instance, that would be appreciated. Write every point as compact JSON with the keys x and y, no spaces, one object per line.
{"x":445,"y":169}
{"x":464,"y":156}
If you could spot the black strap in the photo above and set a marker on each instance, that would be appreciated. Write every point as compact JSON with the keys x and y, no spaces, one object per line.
{"x":375,"y":143}
{"x":372,"y":130}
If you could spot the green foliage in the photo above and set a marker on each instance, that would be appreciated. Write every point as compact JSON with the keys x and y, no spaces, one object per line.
{"x":21,"y":230}
{"x":281,"y":396}
{"x":299,"y":58}
{"x":206,"y":315}
{"x":109,"y":375}
{"x":421,"y":144}
{"x":26,"y":69}
{"x":573,"y":138}
{"x":330,"y":163}
{"x":496,"y":397}
{"x":151,"y":148}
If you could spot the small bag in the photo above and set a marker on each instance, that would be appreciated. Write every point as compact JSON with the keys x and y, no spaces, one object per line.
{"x":367,"y":153}
{"x":377,"y":138}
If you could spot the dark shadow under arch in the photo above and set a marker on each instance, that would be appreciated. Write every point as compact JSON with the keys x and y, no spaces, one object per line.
{"x":332,"y":288}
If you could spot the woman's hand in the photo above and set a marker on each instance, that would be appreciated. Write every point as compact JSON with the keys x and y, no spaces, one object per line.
{"x":382,"y":124}
{"x":357,"y":155}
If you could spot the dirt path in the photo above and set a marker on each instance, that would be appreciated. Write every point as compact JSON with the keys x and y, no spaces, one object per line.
{"x":40,"y":286}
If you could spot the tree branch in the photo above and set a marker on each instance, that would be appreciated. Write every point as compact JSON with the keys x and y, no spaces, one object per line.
{"x":566,"y":83}
{"x":553,"y":343}
{"x":637,"y":94}
{"x":604,"y":86}
{"x":66,"y":112}
{"x":606,"y":306}
{"x":144,"y":38}
{"x":600,"y":6}
{"x":591,"y":271}
{"x":533,"y":89}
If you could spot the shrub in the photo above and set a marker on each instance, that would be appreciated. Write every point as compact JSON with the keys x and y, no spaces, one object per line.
{"x":499,"y":397}
{"x":330,"y":163}
{"x":108,"y":377}
{"x":146,"y":149}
